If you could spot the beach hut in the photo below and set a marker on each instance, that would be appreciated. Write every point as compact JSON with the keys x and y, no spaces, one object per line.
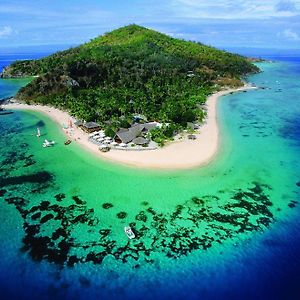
{"x":90,"y":127}
{"x":78,"y":123}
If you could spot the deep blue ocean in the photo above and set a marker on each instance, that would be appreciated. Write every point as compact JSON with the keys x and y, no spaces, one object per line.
{"x":264,"y":266}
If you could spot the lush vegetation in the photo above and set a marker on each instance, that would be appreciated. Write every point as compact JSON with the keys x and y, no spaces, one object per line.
{"x":132,"y":70}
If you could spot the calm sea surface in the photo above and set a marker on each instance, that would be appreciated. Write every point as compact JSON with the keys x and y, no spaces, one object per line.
{"x":230,"y":230}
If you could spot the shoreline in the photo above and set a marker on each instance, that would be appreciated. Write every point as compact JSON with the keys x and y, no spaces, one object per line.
{"x":182,"y":154}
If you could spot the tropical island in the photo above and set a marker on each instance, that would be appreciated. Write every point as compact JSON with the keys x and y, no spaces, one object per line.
{"x":135,"y":84}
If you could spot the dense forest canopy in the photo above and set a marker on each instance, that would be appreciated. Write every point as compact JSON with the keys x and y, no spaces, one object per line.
{"x":131,"y":70}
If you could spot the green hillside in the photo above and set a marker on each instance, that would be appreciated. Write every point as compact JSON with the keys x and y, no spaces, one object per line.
{"x":131,"y":70}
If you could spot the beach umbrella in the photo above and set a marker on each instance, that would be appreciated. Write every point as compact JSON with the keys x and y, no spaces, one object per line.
{"x":107,"y":138}
{"x":114,"y":143}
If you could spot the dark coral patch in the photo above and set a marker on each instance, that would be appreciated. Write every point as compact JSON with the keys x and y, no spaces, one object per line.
{"x":292,"y":204}
{"x":122,"y":215}
{"x":46,"y":218}
{"x":198,"y":201}
{"x":78,"y":201}
{"x":40,"y":177}
{"x":36,"y":216}
{"x":59,"y":232}
{"x":72,"y":261}
{"x":107,"y":205}
{"x":17,"y":201}
{"x":195,"y":224}
{"x":141,"y":216}
{"x":104,"y":232}
{"x":2,"y":192}
{"x":60,"y":197}
{"x":44,"y":205}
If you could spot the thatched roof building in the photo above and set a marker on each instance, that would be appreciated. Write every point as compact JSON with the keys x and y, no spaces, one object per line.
{"x":90,"y":127}
{"x":128,"y":135}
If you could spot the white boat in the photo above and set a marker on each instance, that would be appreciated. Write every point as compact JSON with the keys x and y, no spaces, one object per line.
{"x":38,"y":132}
{"x":48,"y":144}
{"x":129,"y":232}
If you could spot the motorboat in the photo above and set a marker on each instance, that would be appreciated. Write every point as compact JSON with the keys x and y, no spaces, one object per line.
{"x":128,"y":231}
{"x":67,"y":142}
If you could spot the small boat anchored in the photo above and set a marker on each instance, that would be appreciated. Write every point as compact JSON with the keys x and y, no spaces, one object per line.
{"x":129,"y":232}
{"x":67,"y":142}
{"x":48,"y":144}
{"x":104,"y":148}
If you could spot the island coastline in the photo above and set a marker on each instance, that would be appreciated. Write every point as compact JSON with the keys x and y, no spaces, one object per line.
{"x":181,"y":154}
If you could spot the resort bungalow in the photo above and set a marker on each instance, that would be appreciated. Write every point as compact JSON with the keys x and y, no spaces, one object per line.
{"x":136,"y":130}
{"x":90,"y":127}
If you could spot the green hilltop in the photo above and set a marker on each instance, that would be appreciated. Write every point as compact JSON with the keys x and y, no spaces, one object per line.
{"x":131,"y":70}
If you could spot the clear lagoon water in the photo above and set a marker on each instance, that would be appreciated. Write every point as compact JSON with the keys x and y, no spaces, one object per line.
{"x":229,"y":230}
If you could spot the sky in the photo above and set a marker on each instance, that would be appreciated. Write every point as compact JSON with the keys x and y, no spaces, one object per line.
{"x":220,"y":23}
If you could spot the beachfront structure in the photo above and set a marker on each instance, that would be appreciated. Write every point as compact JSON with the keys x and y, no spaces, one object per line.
{"x":126,"y":136}
{"x":90,"y":127}
{"x":78,"y":123}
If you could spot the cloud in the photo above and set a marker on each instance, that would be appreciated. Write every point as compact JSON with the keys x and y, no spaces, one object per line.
{"x":6,"y":31}
{"x":290,"y":35}
{"x":286,"y":6}
{"x":238,"y":9}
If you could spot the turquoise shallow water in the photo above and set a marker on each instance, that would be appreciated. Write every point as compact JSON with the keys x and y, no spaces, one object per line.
{"x":226,"y":231}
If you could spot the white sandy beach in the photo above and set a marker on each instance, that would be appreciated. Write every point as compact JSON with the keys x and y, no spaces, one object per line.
{"x":181,"y":154}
